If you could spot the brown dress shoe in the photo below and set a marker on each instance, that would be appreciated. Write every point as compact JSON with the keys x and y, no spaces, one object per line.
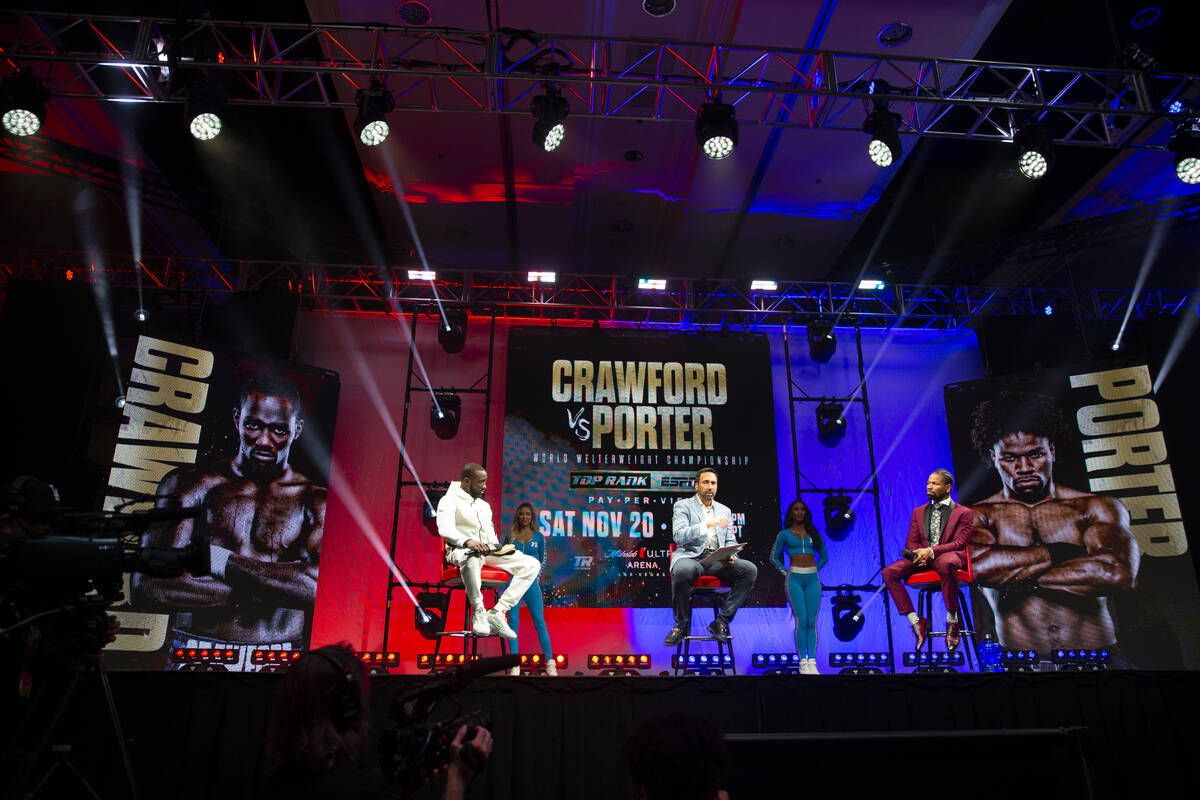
{"x":921,"y":631}
{"x":953,"y":635}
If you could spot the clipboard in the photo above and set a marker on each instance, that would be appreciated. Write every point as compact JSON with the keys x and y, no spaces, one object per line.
{"x":722,"y":553}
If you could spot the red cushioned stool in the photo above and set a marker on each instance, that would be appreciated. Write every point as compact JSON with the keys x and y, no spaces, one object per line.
{"x":928,"y":584}
{"x":709,"y":588}
{"x":492,"y":578}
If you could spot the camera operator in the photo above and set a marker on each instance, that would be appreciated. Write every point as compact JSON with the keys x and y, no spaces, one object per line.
{"x":318,"y":732}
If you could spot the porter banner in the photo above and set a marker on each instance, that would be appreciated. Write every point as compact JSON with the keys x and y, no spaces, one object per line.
{"x":247,"y":442}
{"x":603,"y":432}
{"x":1079,"y":544}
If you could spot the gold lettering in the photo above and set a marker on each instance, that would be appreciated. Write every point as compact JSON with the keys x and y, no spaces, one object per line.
{"x":560,"y":387}
{"x":1116,"y":384}
{"x":604,"y":383}
{"x":1161,"y":539}
{"x":682,"y":442}
{"x":694,"y":382}
{"x":717,"y":391}
{"x":653,"y":381}
{"x":145,"y":466}
{"x":673,"y":383}
{"x":602,"y":423}
{"x":195,"y":363}
{"x":150,"y":425}
{"x":665,"y":414}
{"x":702,"y":437}
{"x":1121,"y":416}
{"x":1135,"y":449}
{"x":178,"y":394}
{"x":647,"y":434}
{"x":623,"y":427}
{"x":583,"y":381}
{"x":1139,"y":506}
{"x":1160,"y":478}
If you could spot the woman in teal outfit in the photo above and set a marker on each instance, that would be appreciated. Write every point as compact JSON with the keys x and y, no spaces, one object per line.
{"x":806,"y":552}
{"x":526,"y":539}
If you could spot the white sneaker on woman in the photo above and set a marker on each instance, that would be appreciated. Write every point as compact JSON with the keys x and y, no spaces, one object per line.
{"x":514,"y":670}
{"x":812,"y":667}
{"x":551,"y":668}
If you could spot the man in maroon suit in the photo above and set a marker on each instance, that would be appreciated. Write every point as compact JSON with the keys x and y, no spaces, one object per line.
{"x":937,"y":539}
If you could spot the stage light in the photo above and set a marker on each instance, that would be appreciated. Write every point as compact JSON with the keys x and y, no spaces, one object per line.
{"x":203,"y":110}
{"x":542,"y":277}
{"x":269,"y":657}
{"x":374,"y":104}
{"x":618,"y":663}
{"x":550,"y":110}
{"x":433,"y":494}
{"x":204,"y":655}
{"x":1048,"y":310}
{"x":658,"y":8}
{"x":536,"y":662}
{"x":716,"y":130}
{"x":443,"y":416}
{"x":763,"y":286}
{"x":871,"y":285}
{"x":1116,"y":344}
{"x":776,"y":663}
{"x":884,"y":129}
{"x":1185,"y":144}
{"x":141,"y":315}
{"x":822,"y":342}
{"x":452,"y":331}
{"x":703,"y":663}
{"x":651,"y":284}
{"x":1035,"y":150}
{"x":848,"y":620}
{"x":429,"y":616}
{"x":839,"y":517}
{"x":831,"y":423}
{"x":24,"y":98}
{"x":422,"y":275}
{"x":873,"y":660}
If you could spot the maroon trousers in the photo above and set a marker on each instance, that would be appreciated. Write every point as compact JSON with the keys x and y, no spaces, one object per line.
{"x":946,"y":565}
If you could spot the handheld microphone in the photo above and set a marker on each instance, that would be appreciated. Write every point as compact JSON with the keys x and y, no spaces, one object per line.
{"x":909,"y":554}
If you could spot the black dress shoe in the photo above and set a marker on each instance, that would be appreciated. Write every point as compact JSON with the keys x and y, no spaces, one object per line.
{"x":720,"y":631}
{"x":674,"y":637}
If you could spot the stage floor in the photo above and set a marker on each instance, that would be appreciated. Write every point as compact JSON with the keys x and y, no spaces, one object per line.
{"x":200,"y":735}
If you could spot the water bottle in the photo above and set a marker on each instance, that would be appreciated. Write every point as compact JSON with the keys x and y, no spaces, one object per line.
{"x":991,"y":655}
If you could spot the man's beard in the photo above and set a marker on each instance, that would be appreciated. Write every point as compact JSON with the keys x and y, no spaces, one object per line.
{"x":262,"y":469}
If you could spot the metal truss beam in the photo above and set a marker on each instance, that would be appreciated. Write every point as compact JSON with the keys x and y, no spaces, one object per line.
{"x":356,"y":289}
{"x":105,"y":57}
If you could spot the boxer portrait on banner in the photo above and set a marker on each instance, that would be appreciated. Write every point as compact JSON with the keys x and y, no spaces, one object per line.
{"x":938,"y":536}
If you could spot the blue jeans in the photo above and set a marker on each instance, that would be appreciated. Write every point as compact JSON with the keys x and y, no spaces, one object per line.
{"x":533,"y":601}
{"x":804,"y":593}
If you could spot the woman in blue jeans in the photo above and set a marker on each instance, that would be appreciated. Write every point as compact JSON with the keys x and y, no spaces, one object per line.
{"x":806,"y":554}
{"x":527,"y":540}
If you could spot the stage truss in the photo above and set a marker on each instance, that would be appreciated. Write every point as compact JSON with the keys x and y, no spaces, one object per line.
{"x":140,"y":59}
{"x":357,"y":289}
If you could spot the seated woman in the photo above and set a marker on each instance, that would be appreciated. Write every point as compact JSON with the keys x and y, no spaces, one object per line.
{"x":806,"y":551}
{"x":525,"y":538}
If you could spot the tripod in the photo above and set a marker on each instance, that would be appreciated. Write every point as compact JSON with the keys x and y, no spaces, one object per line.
{"x":30,"y":783}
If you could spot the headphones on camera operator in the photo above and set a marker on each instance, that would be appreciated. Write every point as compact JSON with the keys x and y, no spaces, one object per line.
{"x":345,"y":698}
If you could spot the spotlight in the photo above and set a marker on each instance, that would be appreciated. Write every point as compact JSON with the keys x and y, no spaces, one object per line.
{"x":24,"y":103}
{"x":658,"y":8}
{"x":763,"y":286}
{"x":884,"y":129}
{"x":839,"y":517}
{"x":434,"y":493}
{"x":831,"y":423}
{"x":542,"y":277}
{"x":822,"y":342}
{"x":452,"y":331}
{"x":652,"y":284}
{"x":141,"y":315}
{"x":871,"y":285}
{"x":551,"y":110}
{"x":443,"y":417}
{"x":429,"y":617}
{"x":1048,"y":310}
{"x":848,"y":619}
{"x":120,"y":401}
{"x":422,"y":275}
{"x":1185,"y":144}
{"x":373,"y":107}
{"x":1116,"y":344}
{"x":716,"y":130}
{"x":1035,"y":150}
{"x":204,"y":107}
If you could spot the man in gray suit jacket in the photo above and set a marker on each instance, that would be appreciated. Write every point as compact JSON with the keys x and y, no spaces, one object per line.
{"x":700,"y":525}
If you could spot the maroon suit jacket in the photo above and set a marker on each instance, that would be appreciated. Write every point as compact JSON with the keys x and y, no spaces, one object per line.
{"x":959,"y":531}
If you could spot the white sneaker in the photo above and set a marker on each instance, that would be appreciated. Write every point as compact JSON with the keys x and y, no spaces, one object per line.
{"x":498,"y":624}
{"x":514,"y":671}
{"x":479,"y":624}
{"x":551,"y":668}
{"x":812,"y":667}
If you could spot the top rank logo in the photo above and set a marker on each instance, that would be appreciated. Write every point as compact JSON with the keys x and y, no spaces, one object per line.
{"x":610,"y":480}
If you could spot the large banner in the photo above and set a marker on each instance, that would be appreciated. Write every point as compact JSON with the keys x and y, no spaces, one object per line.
{"x":603,"y":432}
{"x":1080,"y":544}
{"x":247,"y":442}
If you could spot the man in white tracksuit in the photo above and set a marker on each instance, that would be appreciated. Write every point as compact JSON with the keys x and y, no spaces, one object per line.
{"x":464,"y":521}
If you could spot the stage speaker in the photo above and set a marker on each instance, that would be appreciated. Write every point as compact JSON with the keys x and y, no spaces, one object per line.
{"x":260,"y":322}
{"x":52,"y":359}
{"x":1012,"y":345}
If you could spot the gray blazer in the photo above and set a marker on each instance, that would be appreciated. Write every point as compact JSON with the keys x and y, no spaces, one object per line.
{"x":689,"y":531}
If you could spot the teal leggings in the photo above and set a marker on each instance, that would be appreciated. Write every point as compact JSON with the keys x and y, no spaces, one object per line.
{"x":804,"y":593}
{"x":533,"y":601}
